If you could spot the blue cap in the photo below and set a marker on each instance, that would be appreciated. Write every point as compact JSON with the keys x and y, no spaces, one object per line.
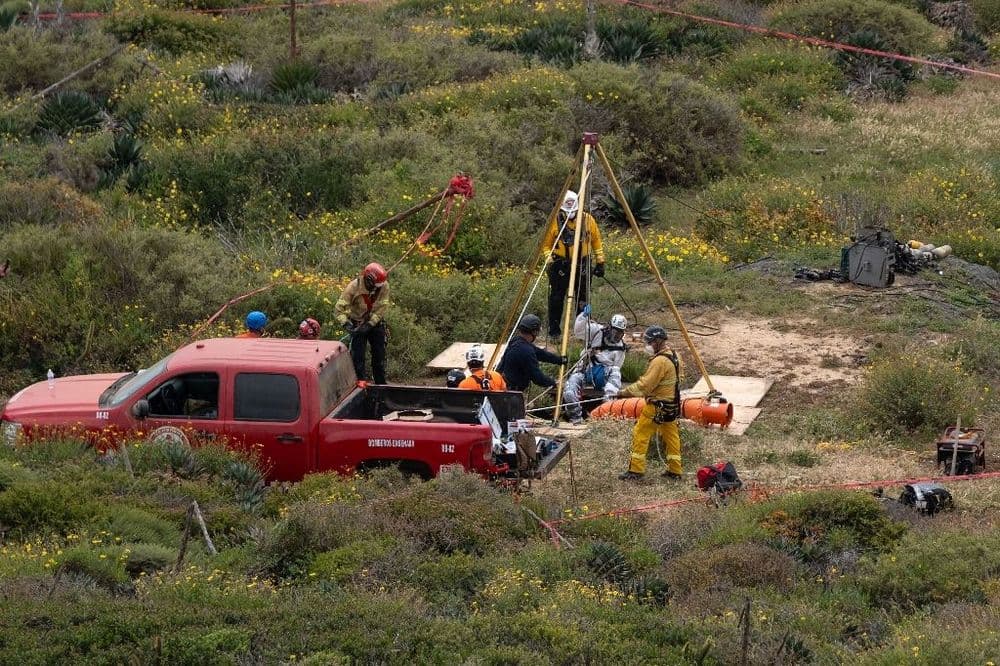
{"x":256,"y":320}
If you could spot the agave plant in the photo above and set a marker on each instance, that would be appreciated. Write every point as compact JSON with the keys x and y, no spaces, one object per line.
{"x":871,"y":77}
{"x":608,"y":562}
{"x":180,"y":459}
{"x":293,"y":75}
{"x":640,"y":201}
{"x":630,"y":41}
{"x":8,"y":16}
{"x":124,"y":154}
{"x":70,"y":111}
{"x":248,"y":484}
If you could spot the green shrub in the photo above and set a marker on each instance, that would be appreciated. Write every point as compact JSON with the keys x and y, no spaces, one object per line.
{"x":344,"y":563}
{"x":640,"y":201}
{"x":815,"y":525}
{"x":631,"y":40}
{"x":12,"y":472}
{"x":936,"y":568}
{"x":453,"y":513}
{"x":148,"y":557}
{"x":8,"y":16}
{"x":740,"y":565}
{"x":104,"y":566}
{"x":987,"y":14}
{"x":28,"y":507}
{"x":871,"y":77}
{"x":915,"y":393}
{"x":68,"y":111}
{"x":902,"y":29}
{"x":134,"y":282}
{"x":218,"y":646}
{"x":774,"y":78}
{"x":295,"y":81}
{"x":803,"y":458}
{"x":173,"y":32}
{"x":35,"y":59}
{"x":137,"y":525}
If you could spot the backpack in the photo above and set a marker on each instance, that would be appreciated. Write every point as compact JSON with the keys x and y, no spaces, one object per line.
{"x":722,"y":476}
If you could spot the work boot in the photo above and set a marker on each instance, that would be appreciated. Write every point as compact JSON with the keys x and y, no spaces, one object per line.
{"x":576,"y":420}
{"x":631,"y":476}
{"x":673,"y":476}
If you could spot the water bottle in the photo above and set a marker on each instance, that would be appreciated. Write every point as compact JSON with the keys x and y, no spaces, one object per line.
{"x":51,"y":376}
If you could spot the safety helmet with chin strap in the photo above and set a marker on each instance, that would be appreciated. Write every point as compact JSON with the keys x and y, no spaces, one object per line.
{"x":570,"y":204}
{"x":475,"y":356}
{"x":619,"y":322}
{"x":374,"y":276}
{"x":455,"y":377}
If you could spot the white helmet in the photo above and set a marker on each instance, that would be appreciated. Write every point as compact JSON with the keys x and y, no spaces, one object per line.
{"x":476,"y":354}
{"x":619,"y":321}
{"x":571,"y":203}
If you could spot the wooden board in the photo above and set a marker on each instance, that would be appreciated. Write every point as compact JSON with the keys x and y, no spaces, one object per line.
{"x":454,"y":355}
{"x":743,"y":418}
{"x":741,"y":391}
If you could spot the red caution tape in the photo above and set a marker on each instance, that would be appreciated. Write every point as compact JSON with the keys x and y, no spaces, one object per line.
{"x":815,"y":41}
{"x":767,"y":490}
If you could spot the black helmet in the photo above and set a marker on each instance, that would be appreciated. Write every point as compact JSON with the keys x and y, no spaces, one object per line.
{"x":655,"y":333}
{"x":530,"y":324}
{"x":455,"y":377}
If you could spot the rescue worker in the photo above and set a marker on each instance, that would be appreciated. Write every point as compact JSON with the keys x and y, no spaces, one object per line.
{"x":481,"y":379}
{"x":562,"y":253}
{"x":600,"y":360}
{"x":520,"y":363}
{"x":309,"y":329}
{"x":361,"y":311}
{"x":660,"y":386}
{"x":455,"y":377}
{"x":255,"y":323}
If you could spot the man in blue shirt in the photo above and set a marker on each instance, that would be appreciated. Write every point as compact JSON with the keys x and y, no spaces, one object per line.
{"x":520,"y":362}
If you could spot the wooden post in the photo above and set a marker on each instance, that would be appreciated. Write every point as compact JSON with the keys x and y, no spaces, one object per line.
{"x":954,"y":444}
{"x":745,"y":634}
{"x":616,"y":187}
{"x":204,"y":528}
{"x":293,"y":48}
{"x":182,"y":551}
{"x":569,"y":311}
{"x":128,"y":461}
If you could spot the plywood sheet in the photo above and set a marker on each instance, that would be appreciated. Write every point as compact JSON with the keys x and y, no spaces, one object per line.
{"x":454,"y":355}
{"x":743,"y":418}
{"x":741,"y":391}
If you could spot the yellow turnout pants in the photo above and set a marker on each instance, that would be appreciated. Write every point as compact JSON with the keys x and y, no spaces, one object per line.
{"x":644,"y":431}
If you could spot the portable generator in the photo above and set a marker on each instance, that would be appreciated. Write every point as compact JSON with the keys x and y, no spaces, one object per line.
{"x":966,"y":447}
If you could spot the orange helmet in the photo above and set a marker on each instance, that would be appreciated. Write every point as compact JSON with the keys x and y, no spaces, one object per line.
{"x":374,"y":275}
{"x":309,"y":329}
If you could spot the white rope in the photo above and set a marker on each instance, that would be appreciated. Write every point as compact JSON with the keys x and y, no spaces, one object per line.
{"x":531,"y":294}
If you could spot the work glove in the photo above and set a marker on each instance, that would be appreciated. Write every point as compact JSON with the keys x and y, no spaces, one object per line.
{"x":349,"y":326}
{"x":363,"y":328}
{"x":598,"y":270}
{"x":586,"y":308}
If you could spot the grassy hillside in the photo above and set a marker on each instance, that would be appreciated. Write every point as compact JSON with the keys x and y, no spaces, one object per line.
{"x":199,"y":161}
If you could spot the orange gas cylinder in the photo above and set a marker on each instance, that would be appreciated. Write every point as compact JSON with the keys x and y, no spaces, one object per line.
{"x":703,"y":412}
{"x":623,"y":408}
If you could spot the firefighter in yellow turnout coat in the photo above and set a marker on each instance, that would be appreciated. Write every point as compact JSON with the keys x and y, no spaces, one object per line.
{"x":660,"y":386}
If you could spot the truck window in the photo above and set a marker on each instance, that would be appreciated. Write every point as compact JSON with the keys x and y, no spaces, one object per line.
{"x":123,"y":389}
{"x":194,"y":395}
{"x":266,"y":397}
{"x":336,"y":380}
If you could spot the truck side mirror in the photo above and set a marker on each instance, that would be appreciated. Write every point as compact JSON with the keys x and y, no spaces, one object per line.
{"x":140,"y":409}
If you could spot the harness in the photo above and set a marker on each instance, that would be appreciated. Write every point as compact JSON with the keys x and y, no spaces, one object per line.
{"x":483,"y":382}
{"x":669,"y":410}
{"x":369,"y":298}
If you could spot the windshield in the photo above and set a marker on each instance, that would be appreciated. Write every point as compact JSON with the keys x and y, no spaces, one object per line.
{"x":126,"y":387}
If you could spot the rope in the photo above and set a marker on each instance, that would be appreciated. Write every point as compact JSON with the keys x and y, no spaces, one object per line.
{"x":813,"y":41}
{"x":854,"y":485}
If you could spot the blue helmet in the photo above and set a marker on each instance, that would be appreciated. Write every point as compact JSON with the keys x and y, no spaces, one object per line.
{"x":256,"y":320}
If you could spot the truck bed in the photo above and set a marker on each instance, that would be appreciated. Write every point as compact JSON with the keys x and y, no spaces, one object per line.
{"x":373,"y":402}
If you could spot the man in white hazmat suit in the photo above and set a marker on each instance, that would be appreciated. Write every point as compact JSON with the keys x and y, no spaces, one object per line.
{"x":600,"y":360}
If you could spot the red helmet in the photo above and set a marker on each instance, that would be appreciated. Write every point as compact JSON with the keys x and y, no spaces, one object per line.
{"x":374,"y":275}
{"x":309,"y":329}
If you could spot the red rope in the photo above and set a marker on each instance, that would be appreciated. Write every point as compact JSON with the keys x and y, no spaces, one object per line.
{"x":854,"y":485}
{"x":814,"y":41}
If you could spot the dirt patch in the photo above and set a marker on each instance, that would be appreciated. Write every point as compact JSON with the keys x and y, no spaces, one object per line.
{"x":799,"y":353}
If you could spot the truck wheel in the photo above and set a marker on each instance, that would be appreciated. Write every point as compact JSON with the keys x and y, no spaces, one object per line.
{"x":168,"y":434}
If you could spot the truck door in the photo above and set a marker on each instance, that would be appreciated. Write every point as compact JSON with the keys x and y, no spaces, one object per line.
{"x":186,"y":406}
{"x":270,"y":416}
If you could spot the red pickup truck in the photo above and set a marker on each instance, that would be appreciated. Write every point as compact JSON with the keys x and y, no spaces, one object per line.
{"x":297,"y":402}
